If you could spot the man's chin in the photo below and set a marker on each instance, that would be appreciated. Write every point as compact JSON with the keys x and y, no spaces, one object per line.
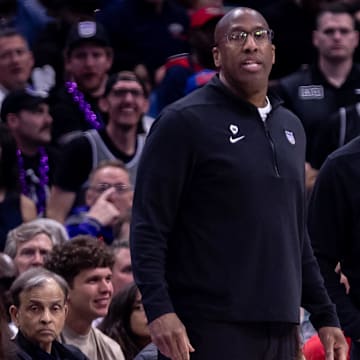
{"x":89,"y":86}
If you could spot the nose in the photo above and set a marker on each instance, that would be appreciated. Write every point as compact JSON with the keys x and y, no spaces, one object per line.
{"x":45,"y":316}
{"x":15,"y":56}
{"x":49,"y":118}
{"x":250,"y":43}
{"x":105,"y":286}
{"x":89,"y":60}
{"x":337,"y":34}
{"x":128,"y":96}
{"x":38,"y":259}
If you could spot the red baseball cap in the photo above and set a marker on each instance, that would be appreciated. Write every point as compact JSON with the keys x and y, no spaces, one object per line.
{"x":203,"y":15}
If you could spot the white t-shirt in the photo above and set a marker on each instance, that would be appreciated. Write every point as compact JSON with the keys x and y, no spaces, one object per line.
{"x":95,"y":345}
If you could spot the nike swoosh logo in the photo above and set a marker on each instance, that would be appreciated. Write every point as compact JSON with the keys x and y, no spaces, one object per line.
{"x":235,"y":140}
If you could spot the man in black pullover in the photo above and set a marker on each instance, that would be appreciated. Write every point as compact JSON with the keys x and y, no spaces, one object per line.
{"x":334,"y":226}
{"x":219,"y":244}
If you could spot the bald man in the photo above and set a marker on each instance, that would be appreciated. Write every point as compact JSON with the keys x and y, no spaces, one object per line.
{"x":219,"y":246}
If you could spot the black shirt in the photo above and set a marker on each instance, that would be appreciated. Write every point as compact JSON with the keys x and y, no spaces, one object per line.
{"x":31,"y":351}
{"x":67,"y":116}
{"x":218,"y":223}
{"x":313,"y":99}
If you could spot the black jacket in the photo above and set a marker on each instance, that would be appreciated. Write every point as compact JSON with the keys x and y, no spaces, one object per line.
{"x":218,"y":224}
{"x":334,"y":227}
{"x":313,"y":99}
{"x":30,"y":351}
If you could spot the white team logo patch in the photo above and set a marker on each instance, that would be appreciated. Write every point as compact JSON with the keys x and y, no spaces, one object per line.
{"x":87,"y":29}
{"x":290,"y":136}
{"x":311,"y":92}
{"x":234,"y":130}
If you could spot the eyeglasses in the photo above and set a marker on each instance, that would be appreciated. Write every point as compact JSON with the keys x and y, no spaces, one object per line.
{"x":122,"y":92}
{"x":260,"y":36}
{"x":332,"y":31}
{"x":119,"y":188}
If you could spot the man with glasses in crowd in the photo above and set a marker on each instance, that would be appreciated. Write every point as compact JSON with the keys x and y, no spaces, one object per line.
{"x":218,"y":239}
{"x":125,"y":101}
{"x":108,"y":203}
{"x":317,"y":92}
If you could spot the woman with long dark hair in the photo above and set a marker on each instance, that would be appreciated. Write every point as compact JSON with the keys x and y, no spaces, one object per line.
{"x":126,"y":322}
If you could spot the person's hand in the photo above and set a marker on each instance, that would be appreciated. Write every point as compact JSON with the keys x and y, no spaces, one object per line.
{"x":104,"y":210}
{"x":169,"y":335}
{"x":310,"y":177}
{"x":335,"y":345}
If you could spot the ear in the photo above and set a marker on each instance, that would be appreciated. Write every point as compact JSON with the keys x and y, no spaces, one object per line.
{"x":66,"y":309}
{"x":216,"y":56}
{"x":356,"y":36}
{"x":273,"y":54}
{"x":14,"y":313}
{"x":67,"y":63}
{"x":315,"y":38}
{"x":32,"y":60}
{"x":12,"y":120}
{"x":103,"y":104}
{"x":89,"y":198}
{"x":110,"y":58}
{"x":145,"y":106}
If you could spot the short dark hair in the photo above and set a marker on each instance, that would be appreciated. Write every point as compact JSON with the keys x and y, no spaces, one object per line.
{"x":33,"y":278}
{"x":21,"y":99}
{"x":82,"y":252}
{"x":10,"y":32}
{"x":125,"y":76}
{"x":333,"y":8}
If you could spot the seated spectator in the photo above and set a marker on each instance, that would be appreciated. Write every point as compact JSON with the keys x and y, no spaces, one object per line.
{"x":29,"y":244}
{"x":122,"y":270}
{"x":126,"y":322}
{"x":74,"y":105}
{"x":49,"y":48}
{"x":108,"y":200}
{"x":26,"y":113}
{"x":15,"y":208}
{"x":181,"y":67}
{"x":39,"y":310}
{"x":16,"y":62}
{"x":86,"y":265}
{"x":125,"y":101}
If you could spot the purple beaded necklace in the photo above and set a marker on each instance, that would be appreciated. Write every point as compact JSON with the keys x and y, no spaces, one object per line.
{"x":43,"y":178}
{"x":84,"y":106}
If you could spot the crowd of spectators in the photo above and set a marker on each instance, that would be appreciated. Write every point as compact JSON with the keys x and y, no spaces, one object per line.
{"x":81,"y":83}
